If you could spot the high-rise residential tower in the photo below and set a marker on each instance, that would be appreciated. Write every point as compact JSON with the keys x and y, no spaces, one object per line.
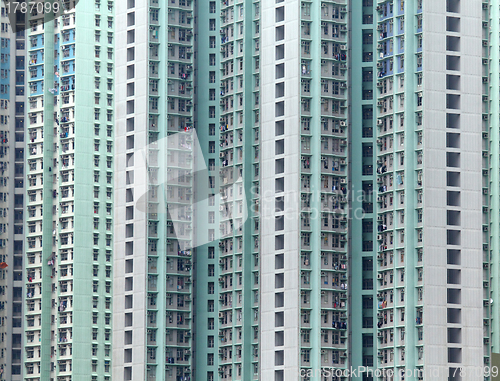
{"x":12,"y":166}
{"x":153,"y":281}
{"x":304,"y":242}
{"x":419,"y":137}
{"x":270,"y":276}
{"x":69,"y":226}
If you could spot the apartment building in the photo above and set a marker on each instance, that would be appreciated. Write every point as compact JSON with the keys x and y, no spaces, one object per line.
{"x":419,"y":139}
{"x":244,"y":310}
{"x":304,"y":253}
{"x":69,"y":206}
{"x":153,"y":268}
{"x":12,"y":104}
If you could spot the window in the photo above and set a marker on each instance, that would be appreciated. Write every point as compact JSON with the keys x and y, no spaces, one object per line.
{"x":210,"y":359}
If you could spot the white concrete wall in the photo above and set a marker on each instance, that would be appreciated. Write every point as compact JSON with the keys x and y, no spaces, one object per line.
{"x":435,"y":258}
{"x":139,"y":188}
{"x":292,"y":188}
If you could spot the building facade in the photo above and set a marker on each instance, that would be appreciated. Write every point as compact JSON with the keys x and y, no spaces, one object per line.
{"x":69,"y":190}
{"x":12,"y":198}
{"x":153,"y":268}
{"x":254,"y":190}
{"x":324,"y":122}
{"x":419,"y":146}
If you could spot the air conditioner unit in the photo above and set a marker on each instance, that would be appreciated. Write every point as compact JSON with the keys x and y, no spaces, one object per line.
{"x":343,"y":123}
{"x":380,"y":276}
